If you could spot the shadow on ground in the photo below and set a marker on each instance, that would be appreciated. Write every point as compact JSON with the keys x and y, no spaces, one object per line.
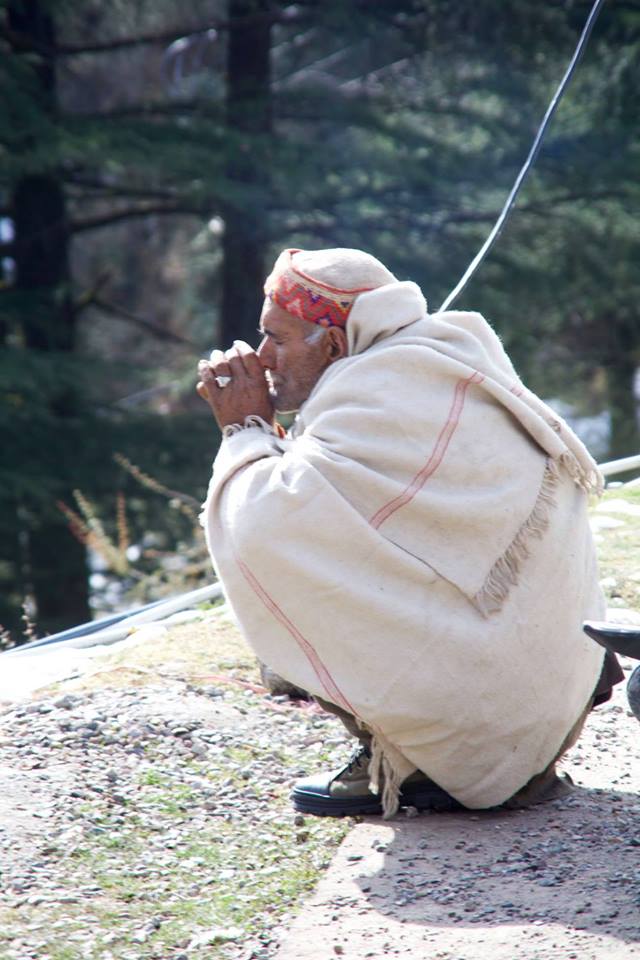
{"x":560,"y":881}
{"x":572,"y":864}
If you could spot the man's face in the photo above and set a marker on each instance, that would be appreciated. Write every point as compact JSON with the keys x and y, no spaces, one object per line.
{"x":295,"y":352}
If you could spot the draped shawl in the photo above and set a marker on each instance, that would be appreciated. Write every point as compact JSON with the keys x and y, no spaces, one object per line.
{"x":417,"y":551}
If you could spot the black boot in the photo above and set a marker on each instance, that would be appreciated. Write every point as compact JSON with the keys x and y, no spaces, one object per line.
{"x":345,"y":792}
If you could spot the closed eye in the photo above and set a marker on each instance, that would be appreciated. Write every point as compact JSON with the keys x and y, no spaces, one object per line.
{"x":274,"y":339}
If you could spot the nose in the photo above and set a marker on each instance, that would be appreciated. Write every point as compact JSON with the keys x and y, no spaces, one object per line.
{"x":266,"y":354}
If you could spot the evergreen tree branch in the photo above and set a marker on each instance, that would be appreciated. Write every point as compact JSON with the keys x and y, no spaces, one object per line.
{"x":114,"y":190}
{"x":404,"y":206}
{"x":152,"y":484}
{"x":160,"y":108}
{"x":538,"y":208}
{"x":405,"y":216}
{"x":144,"y":323}
{"x":94,"y":223}
{"x":22,"y":42}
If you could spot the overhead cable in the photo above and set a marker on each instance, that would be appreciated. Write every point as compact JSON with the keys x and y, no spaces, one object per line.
{"x":533,"y":153}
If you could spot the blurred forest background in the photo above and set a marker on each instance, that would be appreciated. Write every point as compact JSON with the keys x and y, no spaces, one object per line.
{"x":154,"y":158}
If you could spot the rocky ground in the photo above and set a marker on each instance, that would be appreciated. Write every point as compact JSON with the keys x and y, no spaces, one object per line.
{"x":148,"y":816}
{"x":560,"y":881}
{"x":144,"y":814}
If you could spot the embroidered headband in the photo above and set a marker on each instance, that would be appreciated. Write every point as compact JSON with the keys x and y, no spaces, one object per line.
{"x":307,"y":298}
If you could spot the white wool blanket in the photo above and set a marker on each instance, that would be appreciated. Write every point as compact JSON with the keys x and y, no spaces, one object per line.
{"x":417,"y":551}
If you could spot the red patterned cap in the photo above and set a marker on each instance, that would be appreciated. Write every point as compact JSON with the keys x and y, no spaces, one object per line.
{"x":315,"y":300}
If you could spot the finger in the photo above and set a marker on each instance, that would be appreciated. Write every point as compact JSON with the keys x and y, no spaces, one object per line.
{"x":207,"y":391}
{"x":209,"y":377}
{"x":204,"y":371}
{"x":253,"y":365}
{"x":236,"y":365}
{"x":220,"y":368}
{"x":248,"y":357}
{"x":216,"y":356}
{"x":235,"y":361}
{"x":242,"y":348}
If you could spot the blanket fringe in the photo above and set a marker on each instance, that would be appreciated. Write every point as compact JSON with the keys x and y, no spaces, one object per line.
{"x":591,"y":481}
{"x":504,"y":573}
{"x":383,"y":778}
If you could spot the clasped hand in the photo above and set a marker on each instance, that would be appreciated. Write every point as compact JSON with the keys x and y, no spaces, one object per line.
{"x":245,"y":392}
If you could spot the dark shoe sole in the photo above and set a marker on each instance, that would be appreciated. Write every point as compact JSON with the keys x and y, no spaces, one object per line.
{"x":425,"y":798}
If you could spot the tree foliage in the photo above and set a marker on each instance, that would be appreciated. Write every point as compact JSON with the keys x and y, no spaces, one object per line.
{"x":153,"y":158}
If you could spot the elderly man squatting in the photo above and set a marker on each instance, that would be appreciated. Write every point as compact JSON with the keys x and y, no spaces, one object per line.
{"x":415,"y":551}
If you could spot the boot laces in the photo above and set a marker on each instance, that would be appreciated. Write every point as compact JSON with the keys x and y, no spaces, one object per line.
{"x":359,"y":754}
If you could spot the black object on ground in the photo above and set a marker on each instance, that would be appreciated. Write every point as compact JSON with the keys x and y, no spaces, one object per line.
{"x":623,"y":639}
{"x":617,"y":637}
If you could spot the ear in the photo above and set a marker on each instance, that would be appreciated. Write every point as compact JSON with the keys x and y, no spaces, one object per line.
{"x":336,"y":344}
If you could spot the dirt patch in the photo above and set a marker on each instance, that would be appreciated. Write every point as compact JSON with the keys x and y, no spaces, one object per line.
{"x":560,"y":881}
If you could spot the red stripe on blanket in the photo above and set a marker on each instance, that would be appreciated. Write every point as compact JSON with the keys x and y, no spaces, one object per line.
{"x":436,"y":457}
{"x":334,"y":694}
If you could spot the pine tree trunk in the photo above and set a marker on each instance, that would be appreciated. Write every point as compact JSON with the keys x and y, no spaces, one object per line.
{"x":246,"y":209}
{"x":619,"y":357}
{"x":623,"y":408}
{"x":55,"y":561}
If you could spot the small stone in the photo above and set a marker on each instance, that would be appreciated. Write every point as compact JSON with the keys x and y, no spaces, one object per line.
{"x":215,"y":935}
{"x":65,"y":703}
{"x":49,"y":850}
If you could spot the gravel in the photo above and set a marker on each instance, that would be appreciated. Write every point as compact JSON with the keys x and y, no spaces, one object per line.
{"x":154,"y":822}
{"x":559,"y":881}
